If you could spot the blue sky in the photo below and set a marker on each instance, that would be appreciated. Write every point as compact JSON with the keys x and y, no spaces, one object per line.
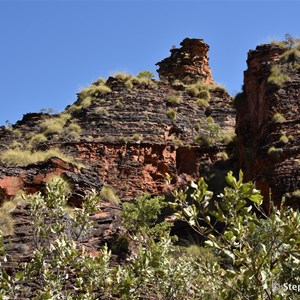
{"x":49,"y":50}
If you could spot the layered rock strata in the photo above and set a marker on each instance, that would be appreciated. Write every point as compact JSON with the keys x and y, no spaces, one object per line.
{"x":268,"y":125}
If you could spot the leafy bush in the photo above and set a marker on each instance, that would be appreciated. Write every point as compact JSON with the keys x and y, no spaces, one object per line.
{"x":204,"y":94}
{"x":37,"y":139}
{"x":171,"y":114}
{"x":228,"y":136}
{"x":277,"y":76}
{"x":145,"y":74}
{"x":122,"y":76}
{"x":284,"y":139}
{"x":52,"y":126}
{"x":199,"y":89}
{"x":256,"y":255}
{"x":6,"y":223}
{"x":108,"y":194}
{"x":275,"y":152}
{"x":141,"y":215}
{"x":100,"y":81}
{"x":278,"y":118}
{"x":18,"y":157}
{"x":202,"y":102}
{"x":174,"y":98}
{"x":246,"y":254}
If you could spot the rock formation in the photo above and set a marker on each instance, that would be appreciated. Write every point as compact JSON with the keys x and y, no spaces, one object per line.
{"x":188,"y":63}
{"x":268,"y":125}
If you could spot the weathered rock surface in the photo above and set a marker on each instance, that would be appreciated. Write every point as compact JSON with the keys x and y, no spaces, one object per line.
{"x":127,"y":141}
{"x":188,"y":63}
{"x":276,"y":173}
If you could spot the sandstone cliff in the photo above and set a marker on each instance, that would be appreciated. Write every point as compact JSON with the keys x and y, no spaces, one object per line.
{"x":268,"y":122}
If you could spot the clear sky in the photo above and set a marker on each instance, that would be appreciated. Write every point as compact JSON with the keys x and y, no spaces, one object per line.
{"x":49,"y":50}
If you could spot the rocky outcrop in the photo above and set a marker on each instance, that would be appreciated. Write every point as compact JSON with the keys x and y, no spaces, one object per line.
{"x":268,"y":125}
{"x":32,"y":178}
{"x":188,"y":63}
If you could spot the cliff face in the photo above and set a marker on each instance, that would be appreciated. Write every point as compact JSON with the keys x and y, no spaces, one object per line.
{"x":134,"y":134}
{"x":268,"y":124}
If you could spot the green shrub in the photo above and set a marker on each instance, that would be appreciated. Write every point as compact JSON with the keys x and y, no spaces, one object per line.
{"x":296,"y":193}
{"x":37,"y":139}
{"x":145,"y":74}
{"x":102,"y":111}
{"x":52,"y":126}
{"x":8,"y":206}
{"x":223,"y":155}
{"x":6,"y":224}
{"x":291,"y":55}
{"x":249,"y":244}
{"x":93,"y":91}
{"x":108,"y":194}
{"x":17,"y":157}
{"x":86,"y":102}
{"x":199,"y":88}
{"x":275,"y":152}
{"x":122,"y":76}
{"x":137,"y":137}
{"x":204,"y":94}
{"x":284,"y":139}
{"x":6,"y":220}
{"x":202,"y":102}
{"x":17,"y":133}
{"x":73,"y":127}
{"x":171,"y":114}
{"x":277,"y":76}
{"x":210,"y":120}
{"x":100,"y":81}
{"x":245,"y":253}
{"x":278,"y":118}
{"x":228,"y":136}
{"x":16,"y":145}
{"x":119,"y":104}
{"x":129,"y":85}
{"x":174,"y":98}
{"x":141,"y":216}
{"x":140,"y":81}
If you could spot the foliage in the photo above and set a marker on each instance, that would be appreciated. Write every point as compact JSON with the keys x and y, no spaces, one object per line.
{"x":37,"y":139}
{"x":122,"y":76}
{"x":202,"y":102}
{"x":145,"y":74}
{"x":209,"y":133}
{"x":108,"y":194}
{"x":278,"y":118}
{"x":6,"y":222}
{"x":257,"y":254}
{"x":171,"y":114}
{"x":141,"y":216}
{"x":52,"y":126}
{"x":18,"y":157}
{"x":277,"y":76}
{"x":228,"y":136}
{"x":275,"y":152}
{"x":174,"y":99}
{"x":246,"y":254}
{"x":284,"y":139}
{"x":200,"y":90}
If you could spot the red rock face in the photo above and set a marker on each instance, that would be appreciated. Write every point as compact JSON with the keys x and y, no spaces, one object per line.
{"x":135,"y":169}
{"x":276,"y":174}
{"x":188,"y":63}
